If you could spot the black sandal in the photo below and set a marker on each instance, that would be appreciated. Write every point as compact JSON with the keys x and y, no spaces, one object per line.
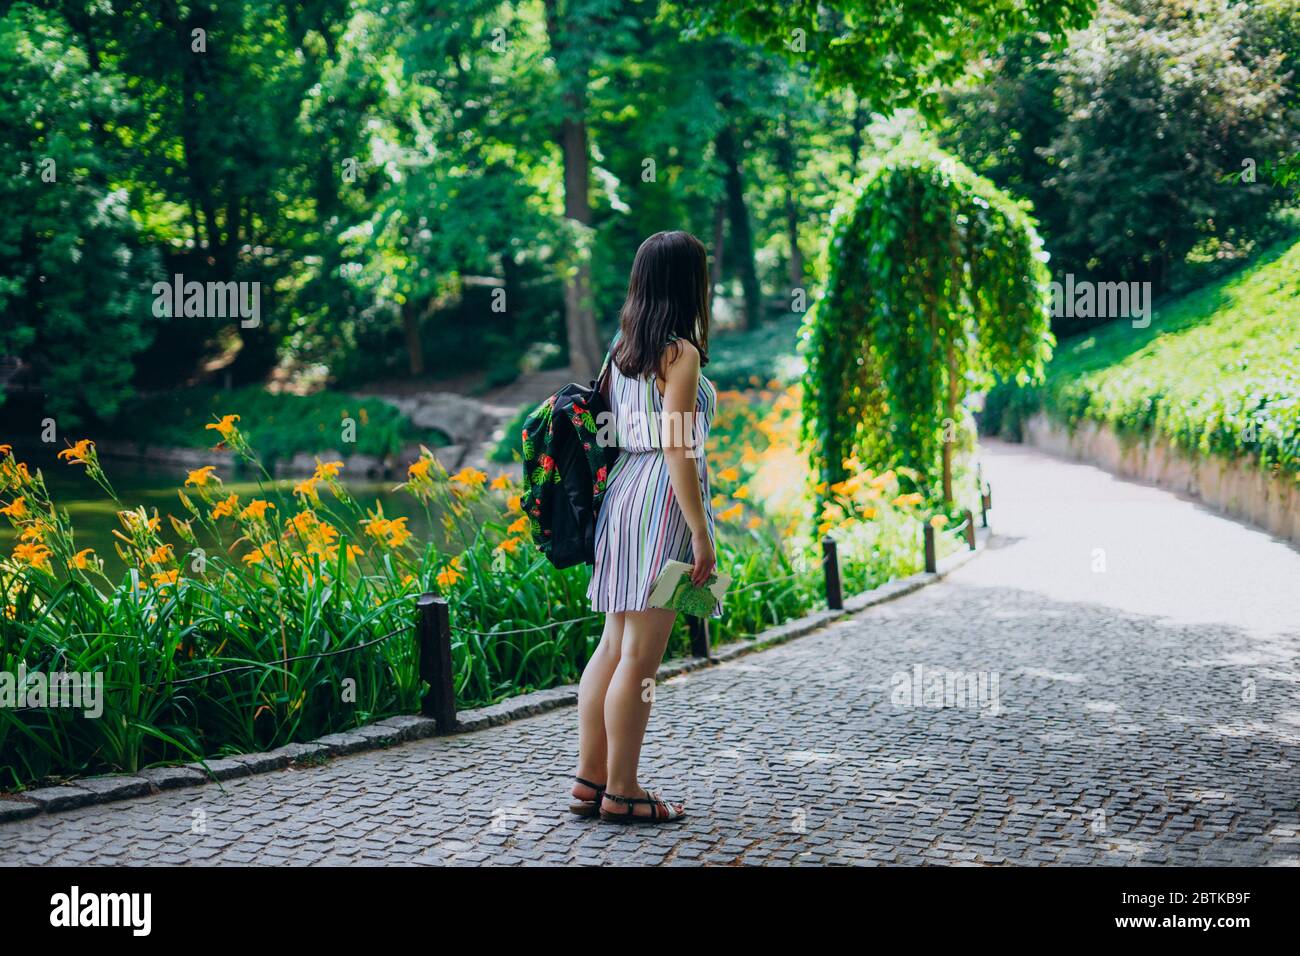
{"x":661,"y":811}
{"x":587,"y":808}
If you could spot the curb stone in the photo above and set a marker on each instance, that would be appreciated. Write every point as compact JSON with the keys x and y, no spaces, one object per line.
{"x":17,"y":809}
{"x":115,"y":787}
{"x":60,"y":798}
{"x":408,"y":727}
{"x":225,"y":768}
{"x":168,"y":778}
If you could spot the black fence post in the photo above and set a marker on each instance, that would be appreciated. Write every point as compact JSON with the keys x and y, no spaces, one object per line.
{"x":831,"y":567}
{"x":931,"y":565}
{"x":970,"y":530}
{"x":699,"y":631}
{"x":433,"y":630}
{"x":984,"y":509}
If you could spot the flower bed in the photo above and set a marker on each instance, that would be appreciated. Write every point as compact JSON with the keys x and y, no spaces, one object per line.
{"x":244,"y":623}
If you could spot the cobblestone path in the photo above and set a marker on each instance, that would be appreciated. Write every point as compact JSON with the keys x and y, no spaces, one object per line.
{"x":1135,"y":700}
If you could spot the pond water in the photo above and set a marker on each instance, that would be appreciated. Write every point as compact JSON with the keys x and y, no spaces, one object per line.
{"x":94,"y":514}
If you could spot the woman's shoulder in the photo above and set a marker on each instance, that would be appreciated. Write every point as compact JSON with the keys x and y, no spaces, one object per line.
{"x":680,"y":351}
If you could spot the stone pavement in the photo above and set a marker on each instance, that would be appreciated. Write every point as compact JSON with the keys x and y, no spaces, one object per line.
{"x":1134,"y":699}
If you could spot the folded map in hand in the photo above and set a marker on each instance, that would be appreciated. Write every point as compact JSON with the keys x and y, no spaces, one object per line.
{"x":673,"y":589}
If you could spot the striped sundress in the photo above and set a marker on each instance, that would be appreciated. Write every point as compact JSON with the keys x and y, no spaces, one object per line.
{"x":640,"y":526}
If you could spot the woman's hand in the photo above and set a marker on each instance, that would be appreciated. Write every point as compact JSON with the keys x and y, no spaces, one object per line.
{"x":705,"y":559}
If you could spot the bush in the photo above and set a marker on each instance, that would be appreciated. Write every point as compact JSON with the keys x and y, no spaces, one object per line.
{"x":277,"y":426}
{"x":1122,"y":140}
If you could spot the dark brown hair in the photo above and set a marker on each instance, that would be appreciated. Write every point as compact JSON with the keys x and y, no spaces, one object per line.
{"x":667,"y":295}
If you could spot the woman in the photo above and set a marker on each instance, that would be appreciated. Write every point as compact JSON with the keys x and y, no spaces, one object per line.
{"x":656,"y":508}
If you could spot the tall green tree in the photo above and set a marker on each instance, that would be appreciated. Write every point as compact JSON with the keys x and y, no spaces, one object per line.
{"x":1122,"y":139}
{"x":75,"y":272}
{"x":937,"y":285}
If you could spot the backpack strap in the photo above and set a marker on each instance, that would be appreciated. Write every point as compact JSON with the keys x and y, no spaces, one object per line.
{"x":603,"y":378}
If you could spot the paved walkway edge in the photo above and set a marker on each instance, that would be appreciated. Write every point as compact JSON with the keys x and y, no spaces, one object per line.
{"x":407,"y":727}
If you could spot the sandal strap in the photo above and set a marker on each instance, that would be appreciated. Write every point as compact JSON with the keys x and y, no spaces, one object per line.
{"x":630,"y":801}
{"x":599,"y":788}
{"x":651,"y":798}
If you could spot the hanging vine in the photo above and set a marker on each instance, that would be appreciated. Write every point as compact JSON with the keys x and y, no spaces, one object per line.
{"x":936,"y":284}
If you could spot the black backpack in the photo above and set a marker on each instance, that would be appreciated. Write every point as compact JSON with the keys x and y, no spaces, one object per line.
{"x":566,"y":471}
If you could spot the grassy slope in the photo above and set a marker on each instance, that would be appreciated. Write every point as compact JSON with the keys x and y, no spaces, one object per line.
{"x":1213,"y":366}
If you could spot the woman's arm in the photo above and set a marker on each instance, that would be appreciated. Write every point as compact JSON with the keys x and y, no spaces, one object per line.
{"x":681,"y":447}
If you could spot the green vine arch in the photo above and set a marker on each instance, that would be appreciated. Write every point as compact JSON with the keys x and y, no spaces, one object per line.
{"x":937,"y":284}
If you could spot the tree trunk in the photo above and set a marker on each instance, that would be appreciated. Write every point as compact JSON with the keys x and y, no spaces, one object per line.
{"x":719,"y":241}
{"x":742,"y":240}
{"x":857,"y":125}
{"x":786,"y":161}
{"x":579,"y":318}
{"x":950,"y":357}
{"x":792,"y":232}
{"x":414,"y":345}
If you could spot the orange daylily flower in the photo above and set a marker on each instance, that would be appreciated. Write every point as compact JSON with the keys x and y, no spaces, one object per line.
{"x":15,"y":509}
{"x":327,"y":469}
{"x":307,"y":488}
{"x":37,"y":555}
{"x":731,"y":514}
{"x":450,"y":574}
{"x":225,"y":427}
{"x":200,"y":476}
{"x":469,"y":477}
{"x":303,"y":522}
{"x":226,"y":508}
{"x":160,"y":555}
{"x":78,"y":453}
{"x":256,"y":510}
{"x":398,"y":534}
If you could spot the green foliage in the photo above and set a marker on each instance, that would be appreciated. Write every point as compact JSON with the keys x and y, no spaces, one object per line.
{"x":1122,"y":140}
{"x":936,"y":284}
{"x":757,"y":356}
{"x":891,"y":54}
{"x":1217,"y":371}
{"x":378,"y":167}
{"x":74,"y":272}
{"x":277,"y":426}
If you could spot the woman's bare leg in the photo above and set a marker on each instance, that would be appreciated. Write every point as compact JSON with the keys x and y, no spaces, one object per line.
{"x":591,"y":706}
{"x":630,"y":693}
